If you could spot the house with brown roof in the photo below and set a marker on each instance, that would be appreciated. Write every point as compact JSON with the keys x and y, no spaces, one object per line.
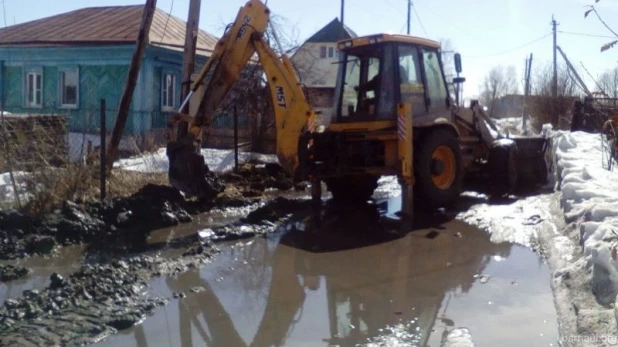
{"x":65,"y":64}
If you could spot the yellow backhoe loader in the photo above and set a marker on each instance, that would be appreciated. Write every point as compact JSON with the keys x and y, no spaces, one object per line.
{"x":393,"y":115}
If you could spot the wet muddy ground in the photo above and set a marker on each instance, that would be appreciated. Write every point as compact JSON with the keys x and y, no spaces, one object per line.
{"x":280,"y":277}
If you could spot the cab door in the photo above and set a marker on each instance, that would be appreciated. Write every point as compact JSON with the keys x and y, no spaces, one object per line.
{"x":436,"y":94}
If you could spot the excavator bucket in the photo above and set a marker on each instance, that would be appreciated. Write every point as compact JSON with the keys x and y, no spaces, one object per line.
{"x":189,"y":173}
{"x":531,"y":164}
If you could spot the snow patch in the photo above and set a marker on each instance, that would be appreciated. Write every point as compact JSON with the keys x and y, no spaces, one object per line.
{"x":78,"y":144}
{"x":7,"y":191}
{"x":459,"y":337}
{"x":519,"y":222}
{"x":512,"y":126}
{"x":218,"y":160}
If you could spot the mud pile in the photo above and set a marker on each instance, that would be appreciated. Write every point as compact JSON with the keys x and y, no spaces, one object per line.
{"x":255,"y":179}
{"x":20,"y":236}
{"x":259,"y":222}
{"x":150,"y":208}
{"x":10,"y":272}
{"x":91,"y":304}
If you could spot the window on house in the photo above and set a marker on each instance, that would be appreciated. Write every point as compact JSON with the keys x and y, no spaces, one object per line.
{"x":34,"y":89}
{"x":169,"y":91}
{"x":331,"y":52}
{"x":322,"y":51}
{"x":69,"y":84}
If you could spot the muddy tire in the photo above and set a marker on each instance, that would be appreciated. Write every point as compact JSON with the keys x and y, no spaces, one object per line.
{"x":438,"y":169}
{"x":502,"y":168}
{"x":352,"y":188}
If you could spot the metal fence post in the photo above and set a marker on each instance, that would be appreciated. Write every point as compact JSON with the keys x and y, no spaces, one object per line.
{"x":235,"y":138}
{"x":102,"y":149}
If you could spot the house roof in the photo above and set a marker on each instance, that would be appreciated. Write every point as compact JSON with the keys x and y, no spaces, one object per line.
{"x":103,"y":25}
{"x":333,"y":32}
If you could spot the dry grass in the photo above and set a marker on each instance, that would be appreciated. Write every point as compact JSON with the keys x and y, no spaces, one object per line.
{"x":126,"y":183}
{"x":53,"y":178}
{"x":49,"y":188}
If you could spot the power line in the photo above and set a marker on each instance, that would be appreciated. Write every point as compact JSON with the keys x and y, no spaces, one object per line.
{"x":441,"y":17}
{"x":167,"y":20}
{"x":588,"y":35}
{"x":419,"y":20}
{"x":511,"y":49}
{"x":392,"y":6}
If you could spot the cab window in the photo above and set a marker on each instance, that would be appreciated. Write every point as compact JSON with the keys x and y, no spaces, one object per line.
{"x":366,"y":92}
{"x":436,"y":89}
{"x":410,"y":79}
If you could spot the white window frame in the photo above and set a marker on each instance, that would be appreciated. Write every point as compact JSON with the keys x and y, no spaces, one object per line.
{"x":61,"y":71}
{"x":36,"y":89}
{"x":331,"y":52}
{"x":165,"y":92}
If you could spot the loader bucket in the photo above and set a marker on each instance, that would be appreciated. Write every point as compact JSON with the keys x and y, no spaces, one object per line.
{"x":531,"y":164}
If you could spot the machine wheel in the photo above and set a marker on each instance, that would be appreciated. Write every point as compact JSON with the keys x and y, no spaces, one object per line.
{"x":357,"y":188}
{"x":437,"y":168}
{"x":502,"y":162}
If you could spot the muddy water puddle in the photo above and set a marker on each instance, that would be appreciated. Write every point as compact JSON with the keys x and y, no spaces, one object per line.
{"x":68,"y":260}
{"x":352,"y":279}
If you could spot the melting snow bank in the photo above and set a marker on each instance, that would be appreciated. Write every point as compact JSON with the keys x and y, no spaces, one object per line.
{"x":589,"y":199}
{"x":587,"y":196}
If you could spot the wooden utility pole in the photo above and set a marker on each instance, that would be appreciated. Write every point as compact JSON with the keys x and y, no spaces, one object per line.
{"x":188,"y":64}
{"x":554,"y":85}
{"x":526,"y":93}
{"x":129,"y":88}
{"x":342,"y":11}
{"x":409,"y":14}
{"x":191,"y":34}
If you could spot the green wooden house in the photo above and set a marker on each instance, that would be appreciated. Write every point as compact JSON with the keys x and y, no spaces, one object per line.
{"x":65,"y":64}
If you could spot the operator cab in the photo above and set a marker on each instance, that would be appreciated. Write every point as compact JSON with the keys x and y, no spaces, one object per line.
{"x":378,"y":72}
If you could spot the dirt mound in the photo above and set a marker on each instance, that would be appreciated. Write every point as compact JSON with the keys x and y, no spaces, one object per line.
{"x":92,"y":303}
{"x":275,"y":210}
{"x":10,"y":272}
{"x":19,"y":235}
{"x":255,"y":179}
{"x":152,"y":207}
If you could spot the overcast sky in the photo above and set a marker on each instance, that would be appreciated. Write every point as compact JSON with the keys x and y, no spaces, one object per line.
{"x":485,"y":32}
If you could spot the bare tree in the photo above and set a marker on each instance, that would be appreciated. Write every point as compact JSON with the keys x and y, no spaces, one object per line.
{"x":250,"y":95}
{"x":609,"y":83}
{"x":543,"y":104}
{"x":498,"y":82}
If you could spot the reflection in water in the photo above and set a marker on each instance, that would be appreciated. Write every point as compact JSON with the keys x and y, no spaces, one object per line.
{"x":346,"y":281}
{"x":219,"y":324}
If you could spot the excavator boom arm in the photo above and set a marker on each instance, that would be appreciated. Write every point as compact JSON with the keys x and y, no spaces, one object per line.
{"x":232,"y":53}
